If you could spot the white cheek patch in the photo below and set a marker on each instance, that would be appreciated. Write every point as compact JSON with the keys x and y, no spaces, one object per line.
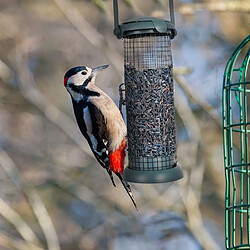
{"x":78,"y":79}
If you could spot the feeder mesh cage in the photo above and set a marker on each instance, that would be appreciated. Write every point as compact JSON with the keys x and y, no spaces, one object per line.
{"x":236,"y":127}
{"x":148,"y":71}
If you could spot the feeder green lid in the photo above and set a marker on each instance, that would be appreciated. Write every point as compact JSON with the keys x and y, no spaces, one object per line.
{"x":145,"y":25}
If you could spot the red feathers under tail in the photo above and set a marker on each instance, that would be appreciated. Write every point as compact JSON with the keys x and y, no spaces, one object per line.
{"x":116,"y":159}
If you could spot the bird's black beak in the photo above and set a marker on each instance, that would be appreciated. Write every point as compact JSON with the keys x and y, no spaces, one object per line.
{"x":97,"y":70}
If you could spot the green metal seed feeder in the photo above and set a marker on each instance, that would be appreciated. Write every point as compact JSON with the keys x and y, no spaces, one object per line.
{"x":149,"y":98}
{"x":236,"y":139}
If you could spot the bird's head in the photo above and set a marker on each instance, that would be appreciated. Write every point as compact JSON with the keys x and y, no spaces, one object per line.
{"x":81,"y":76}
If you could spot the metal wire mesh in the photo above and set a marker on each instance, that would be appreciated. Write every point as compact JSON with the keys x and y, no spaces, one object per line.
{"x":236,"y":126}
{"x":149,"y":102}
{"x":148,"y":51}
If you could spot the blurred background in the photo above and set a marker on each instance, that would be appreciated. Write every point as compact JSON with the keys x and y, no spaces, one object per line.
{"x":53,"y":193}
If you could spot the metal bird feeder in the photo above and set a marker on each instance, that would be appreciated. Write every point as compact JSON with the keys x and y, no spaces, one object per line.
{"x":236,"y":127}
{"x":149,"y":98}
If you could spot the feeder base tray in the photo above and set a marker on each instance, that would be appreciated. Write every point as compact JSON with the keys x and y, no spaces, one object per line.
{"x":157,"y":176}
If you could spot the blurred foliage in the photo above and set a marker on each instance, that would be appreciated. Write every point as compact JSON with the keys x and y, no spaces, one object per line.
{"x":53,"y":193}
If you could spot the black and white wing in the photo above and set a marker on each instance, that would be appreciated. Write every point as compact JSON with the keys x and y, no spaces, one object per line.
{"x":93,"y":126}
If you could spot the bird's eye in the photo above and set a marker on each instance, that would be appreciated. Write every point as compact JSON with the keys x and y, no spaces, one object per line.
{"x":84,"y":73}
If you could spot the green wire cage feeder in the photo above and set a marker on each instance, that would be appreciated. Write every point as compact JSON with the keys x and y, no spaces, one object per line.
{"x":149,"y":97}
{"x":236,"y":132}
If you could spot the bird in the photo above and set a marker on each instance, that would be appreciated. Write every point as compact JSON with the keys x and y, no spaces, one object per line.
{"x":99,"y":120}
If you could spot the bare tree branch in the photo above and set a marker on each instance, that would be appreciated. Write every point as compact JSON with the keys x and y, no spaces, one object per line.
{"x":34,"y":200}
{"x":132,"y":4}
{"x":41,"y":102}
{"x":195,"y":221}
{"x":90,"y":33}
{"x":16,"y":220}
{"x":100,"y":4}
{"x":191,"y":190}
{"x":233,"y":6}
{"x":198,"y":99}
{"x":13,"y":243}
{"x":82,"y":25}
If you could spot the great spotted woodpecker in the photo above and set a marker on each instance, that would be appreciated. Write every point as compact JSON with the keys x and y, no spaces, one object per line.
{"x":99,"y":120}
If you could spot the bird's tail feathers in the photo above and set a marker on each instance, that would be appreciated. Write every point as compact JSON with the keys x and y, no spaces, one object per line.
{"x":104,"y":166}
{"x":111,"y":176}
{"x":128,"y":189}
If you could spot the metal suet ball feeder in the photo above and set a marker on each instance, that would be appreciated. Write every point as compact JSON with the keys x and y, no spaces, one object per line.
{"x":149,"y":98}
{"x":236,"y":139}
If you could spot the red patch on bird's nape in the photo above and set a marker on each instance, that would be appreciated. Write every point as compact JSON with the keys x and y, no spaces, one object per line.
{"x":116,"y":158}
{"x":65,"y":80}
